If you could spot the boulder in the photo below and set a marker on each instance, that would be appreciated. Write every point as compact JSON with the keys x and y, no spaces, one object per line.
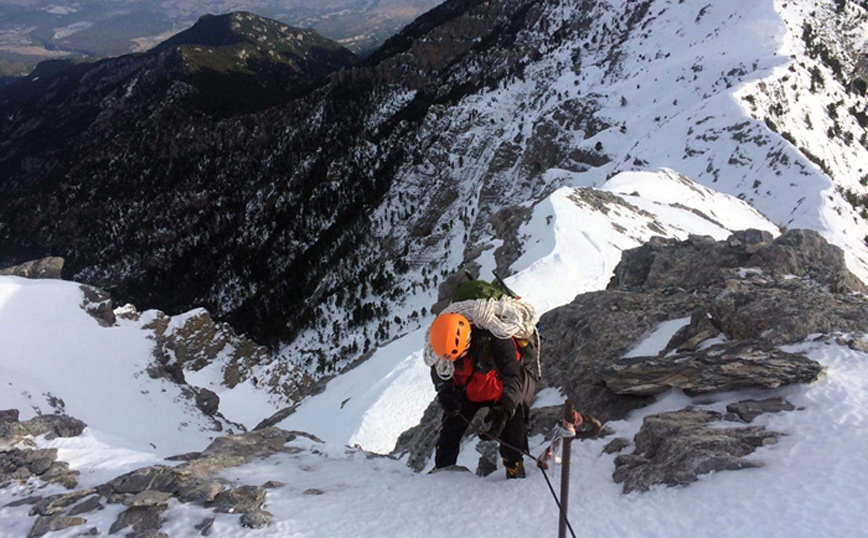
{"x":98,"y":304}
{"x":156,"y":478}
{"x":488,"y":457}
{"x":140,"y":518}
{"x":240,"y":500}
{"x":206,"y":527}
{"x":785,"y":311}
{"x":90,"y":504}
{"x":198,"y":490}
{"x":747,"y":410}
{"x":50,"y":267}
{"x":45,"y":524}
{"x":148,"y":498}
{"x":718,"y":368}
{"x":675,"y":448}
{"x":52,"y":426}
{"x":207,"y":401}
{"x":54,"y":504}
{"x":257,"y":519}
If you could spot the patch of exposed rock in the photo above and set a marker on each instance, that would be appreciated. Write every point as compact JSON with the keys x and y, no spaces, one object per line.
{"x":721,"y":367}
{"x":146,"y":492}
{"x":194,"y":340}
{"x":50,"y":267}
{"x":20,"y":464}
{"x":675,"y":448}
{"x":749,"y":291}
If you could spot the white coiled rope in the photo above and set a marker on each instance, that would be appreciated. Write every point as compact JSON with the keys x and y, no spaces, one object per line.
{"x":504,"y":318}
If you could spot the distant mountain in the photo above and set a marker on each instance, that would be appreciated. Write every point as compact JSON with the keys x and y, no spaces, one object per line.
{"x":324,"y":225}
{"x":37,"y":30}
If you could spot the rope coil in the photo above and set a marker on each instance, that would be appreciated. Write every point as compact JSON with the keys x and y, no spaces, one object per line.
{"x":504,"y":318}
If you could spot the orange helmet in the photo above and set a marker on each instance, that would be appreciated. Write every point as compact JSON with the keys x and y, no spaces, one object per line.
{"x":449,"y":335}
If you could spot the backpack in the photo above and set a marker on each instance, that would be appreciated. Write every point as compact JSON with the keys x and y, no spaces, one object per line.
{"x":528,"y":348}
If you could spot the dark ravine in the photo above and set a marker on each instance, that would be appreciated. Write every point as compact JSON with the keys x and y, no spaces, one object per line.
{"x":165,"y":206}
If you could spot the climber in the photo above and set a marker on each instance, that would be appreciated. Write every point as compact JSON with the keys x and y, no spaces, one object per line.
{"x":485,"y":372}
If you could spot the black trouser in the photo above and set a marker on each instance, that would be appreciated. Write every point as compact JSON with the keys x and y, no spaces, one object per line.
{"x":449,"y":442}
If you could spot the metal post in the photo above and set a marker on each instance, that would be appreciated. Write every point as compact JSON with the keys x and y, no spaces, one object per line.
{"x":565,"y":471}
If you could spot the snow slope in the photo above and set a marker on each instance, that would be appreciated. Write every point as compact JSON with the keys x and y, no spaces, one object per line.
{"x":575,"y":242}
{"x":56,"y":357}
{"x":810,"y":486}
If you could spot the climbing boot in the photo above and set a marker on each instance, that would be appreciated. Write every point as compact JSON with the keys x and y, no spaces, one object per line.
{"x":515,"y":470}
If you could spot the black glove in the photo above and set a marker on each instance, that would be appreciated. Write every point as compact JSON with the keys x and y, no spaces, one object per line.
{"x":450,"y":401}
{"x":496,"y":420}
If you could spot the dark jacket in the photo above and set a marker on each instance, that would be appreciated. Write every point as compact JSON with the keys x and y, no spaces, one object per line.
{"x":488,"y":353}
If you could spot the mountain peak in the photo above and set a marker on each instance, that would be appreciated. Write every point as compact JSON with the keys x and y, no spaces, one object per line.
{"x":244,"y":27}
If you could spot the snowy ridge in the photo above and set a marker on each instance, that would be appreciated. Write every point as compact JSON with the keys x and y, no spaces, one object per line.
{"x":575,"y":240}
{"x":717,"y":92}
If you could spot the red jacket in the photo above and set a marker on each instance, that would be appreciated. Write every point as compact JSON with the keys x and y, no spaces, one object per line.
{"x":490,"y":371}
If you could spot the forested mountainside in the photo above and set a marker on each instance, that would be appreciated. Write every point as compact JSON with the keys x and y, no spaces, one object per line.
{"x":329,"y":220}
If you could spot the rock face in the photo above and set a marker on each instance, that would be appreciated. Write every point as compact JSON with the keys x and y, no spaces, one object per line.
{"x":675,"y":448}
{"x":44,"y":268}
{"x":146,"y":493}
{"x":21,"y":464}
{"x":192,"y":341}
{"x":748,"y":292}
{"x":722,"y":367}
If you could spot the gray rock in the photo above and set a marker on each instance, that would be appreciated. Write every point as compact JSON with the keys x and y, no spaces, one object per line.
{"x":90,"y":504}
{"x":98,"y":304}
{"x":56,"y":503}
{"x":747,"y":410}
{"x":806,"y":253}
{"x":189,"y":456}
{"x":675,"y":448}
{"x":50,"y":267}
{"x":46,"y":524}
{"x":419,"y":441}
{"x":722,"y":367}
{"x":22,"y":502}
{"x":776,"y":312}
{"x":240,"y":500}
{"x":859,"y":344}
{"x":93,"y":531}
{"x":207,"y":401}
{"x":256,"y":520}
{"x":60,"y":473}
{"x":616,"y":445}
{"x":273,"y":484}
{"x":488,"y":456}
{"x":140,"y":518}
{"x":9,"y":415}
{"x":206,"y":527}
{"x":148,"y":498}
{"x":198,"y":490}
{"x":313,"y":491}
{"x":53,"y":426}
{"x":156,"y":477}
{"x":149,"y":533}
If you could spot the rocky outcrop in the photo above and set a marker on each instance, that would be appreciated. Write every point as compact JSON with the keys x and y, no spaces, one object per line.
{"x":43,"y":268}
{"x":18,"y":464}
{"x":98,"y":303}
{"x":145,"y":493}
{"x":719,"y":368}
{"x":748,"y":291}
{"x":192,"y":341}
{"x":676,"y":448}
